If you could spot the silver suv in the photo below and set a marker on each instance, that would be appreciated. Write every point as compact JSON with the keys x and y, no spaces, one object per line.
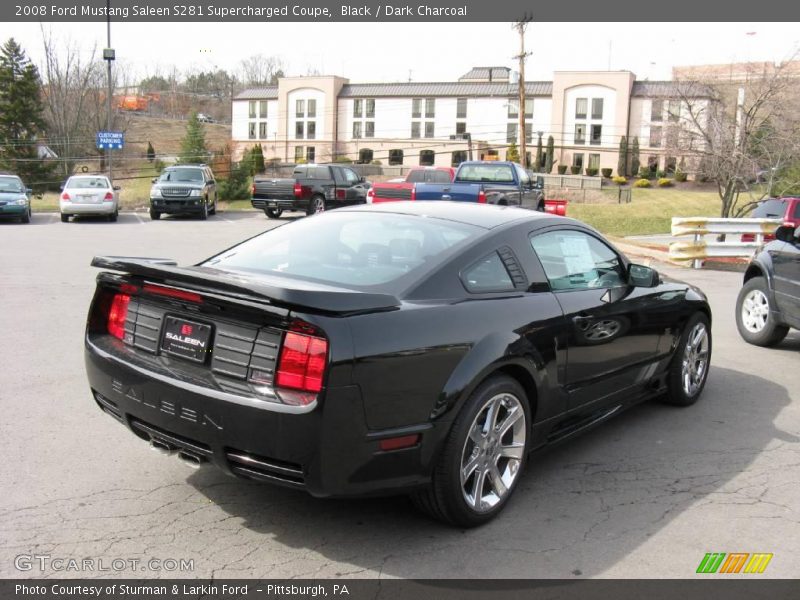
{"x":184,"y":189}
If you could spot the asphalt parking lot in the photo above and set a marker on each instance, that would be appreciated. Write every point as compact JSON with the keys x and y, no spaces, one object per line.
{"x":645,"y":495}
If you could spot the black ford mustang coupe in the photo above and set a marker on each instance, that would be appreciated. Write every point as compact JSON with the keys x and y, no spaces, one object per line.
{"x":422,"y":348}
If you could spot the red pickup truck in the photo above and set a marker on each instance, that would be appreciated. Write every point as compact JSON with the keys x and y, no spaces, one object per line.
{"x":394,"y":191}
{"x":787,"y":209}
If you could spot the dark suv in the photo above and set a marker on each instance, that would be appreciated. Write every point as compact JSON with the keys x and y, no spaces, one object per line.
{"x":184,"y":189}
{"x":769,"y":301}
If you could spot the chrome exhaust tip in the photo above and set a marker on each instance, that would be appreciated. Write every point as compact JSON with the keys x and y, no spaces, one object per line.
{"x":162,"y":447}
{"x":190,"y":460}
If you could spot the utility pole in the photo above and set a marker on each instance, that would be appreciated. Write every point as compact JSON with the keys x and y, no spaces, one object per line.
{"x":521,"y":26}
{"x":109,"y":56}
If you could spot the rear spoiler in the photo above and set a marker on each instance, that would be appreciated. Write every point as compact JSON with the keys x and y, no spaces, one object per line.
{"x":267,"y":288}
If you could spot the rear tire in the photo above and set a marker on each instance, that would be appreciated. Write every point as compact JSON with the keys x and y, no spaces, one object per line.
{"x":754,"y":317}
{"x":316,"y":205}
{"x":688,"y":370}
{"x":213,"y":210}
{"x":64,"y":218}
{"x":483,"y":458}
{"x":113,"y":216}
{"x":273,"y":213}
{"x":154,"y":214}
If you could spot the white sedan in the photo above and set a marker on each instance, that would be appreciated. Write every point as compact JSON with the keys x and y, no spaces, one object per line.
{"x":89,"y":195}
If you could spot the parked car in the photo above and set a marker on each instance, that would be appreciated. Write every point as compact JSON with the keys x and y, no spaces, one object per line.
{"x":184,"y":189}
{"x":204,"y":118}
{"x":15,"y":198}
{"x":406,"y":347}
{"x":769,"y":301}
{"x":787,"y":209}
{"x":489,"y":182}
{"x":89,"y":195}
{"x":311,"y":189}
{"x":392,"y":191}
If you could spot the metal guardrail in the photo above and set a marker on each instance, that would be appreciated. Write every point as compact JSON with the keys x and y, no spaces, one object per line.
{"x":698,"y":249}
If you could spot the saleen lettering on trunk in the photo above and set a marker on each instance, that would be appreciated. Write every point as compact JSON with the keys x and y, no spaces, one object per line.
{"x":176,"y":337}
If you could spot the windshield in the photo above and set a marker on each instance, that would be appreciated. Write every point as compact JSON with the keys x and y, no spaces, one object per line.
{"x":10,"y":184}
{"x":81,"y":183}
{"x":486,"y":173}
{"x":351,"y":249}
{"x":185,"y":175}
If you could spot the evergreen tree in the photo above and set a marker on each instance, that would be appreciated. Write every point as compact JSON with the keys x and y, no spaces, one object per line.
{"x":512,"y":153}
{"x":151,"y":153}
{"x":551,"y":154}
{"x":539,"y":158}
{"x":258,"y":159}
{"x":635,"y":157}
{"x":193,"y":146}
{"x":622,"y":163}
{"x":21,"y":117}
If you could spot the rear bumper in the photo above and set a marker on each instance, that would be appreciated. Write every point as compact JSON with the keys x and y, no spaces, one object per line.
{"x":100,"y":208}
{"x":279,"y":203}
{"x":328,"y":450}
{"x":175,"y":206}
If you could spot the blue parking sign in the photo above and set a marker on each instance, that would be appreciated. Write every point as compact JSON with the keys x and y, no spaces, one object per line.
{"x":110,"y":139}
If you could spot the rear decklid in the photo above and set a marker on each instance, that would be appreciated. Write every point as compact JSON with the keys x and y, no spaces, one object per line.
{"x":457,"y":192}
{"x":281,"y":189}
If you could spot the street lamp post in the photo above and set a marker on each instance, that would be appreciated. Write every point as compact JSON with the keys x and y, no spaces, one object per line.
{"x":109,"y":56}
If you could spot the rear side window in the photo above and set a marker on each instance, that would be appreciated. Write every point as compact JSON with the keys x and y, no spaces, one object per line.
{"x":301,"y":172}
{"x":770,"y":209}
{"x":489,"y":274}
{"x":797,"y":210}
{"x":416,"y":176}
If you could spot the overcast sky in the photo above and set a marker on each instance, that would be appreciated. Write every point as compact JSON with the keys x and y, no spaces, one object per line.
{"x":423,"y":51}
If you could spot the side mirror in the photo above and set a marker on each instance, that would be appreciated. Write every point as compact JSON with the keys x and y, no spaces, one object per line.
{"x":117,"y":188}
{"x":362,"y":179}
{"x":211,"y":181}
{"x":154,"y":179}
{"x":641,"y":276}
{"x":785,"y":233}
{"x":28,"y":190}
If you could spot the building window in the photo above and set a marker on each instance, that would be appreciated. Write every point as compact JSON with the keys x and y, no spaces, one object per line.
{"x":369,"y":129}
{"x":528,"y":135}
{"x":577,"y":160}
{"x":430,"y":108}
{"x":428,"y":129}
{"x":357,"y":125}
{"x":426,"y":158}
{"x":657,"y":110}
{"x":580,"y":133}
{"x":299,"y":128}
{"x":528,"y":108}
{"x":594,"y":161}
{"x":581,"y":105}
{"x":358,"y":108}
{"x":416,"y":108}
{"x":461,"y":128}
{"x":311,"y":154}
{"x":513,"y":109}
{"x":370,"y":113}
{"x":251,"y":109}
{"x":511,"y":133}
{"x":597,"y":108}
{"x":300,"y":108}
{"x":597,"y":134}
{"x":298,"y":153}
{"x":365,"y":156}
{"x":262,"y":130}
{"x":655,"y":137}
{"x":312,"y":108}
{"x":459,"y":156}
{"x":262,"y":109}
{"x":415,"y":129}
{"x":461,"y":108}
{"x":395,"y":157}
{"x":311,"y":130}
{"x":674,"y":110}
{"x":251,"y":132}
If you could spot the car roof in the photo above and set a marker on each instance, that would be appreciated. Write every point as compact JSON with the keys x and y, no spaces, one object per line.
{"x":487,"y":216}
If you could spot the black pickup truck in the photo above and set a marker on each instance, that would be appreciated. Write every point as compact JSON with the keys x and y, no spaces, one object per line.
{"x":311,"y":189}
{"x":490,"y":182}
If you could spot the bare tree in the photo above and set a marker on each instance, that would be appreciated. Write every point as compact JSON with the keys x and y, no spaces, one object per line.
{"x":731,"y":130}
{"x":259,"y":70}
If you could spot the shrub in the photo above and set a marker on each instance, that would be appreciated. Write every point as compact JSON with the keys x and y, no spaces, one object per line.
{"x":622,"y":161}
{"x":591,"y":172}
{"x":661,"y":174}
{"x":606,"y":173}
{"x":645,"y":173}
{"x":377,"y":162}
{"x":158,"y":165}
{"x":339,"y":158}
{"x":664,"y":182}
{"x":680,"y":176}
{"x":641,"y":183}
{"x":562,"y":169}
{"x":620,"y":180}
{"x":575,"y":170}
{"x":237,"y":186}
{"x":635,"y":163}
{"x":151,"y":153}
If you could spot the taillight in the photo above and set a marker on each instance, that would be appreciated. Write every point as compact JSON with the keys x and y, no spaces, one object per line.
{"x":117,"y":315}
{"x":482,"y":197}
{"x":172,"y":293}
{"x":109,"y":196}
{"x":253,"y":190}
{"x":301,"y":364}
{"x":414,"y":192}
{"x":340,"y":195}
{"x":298,"y":190}
{"x":748,"y":237}
{"x":370,"y":195}
{"x":65,"y":196}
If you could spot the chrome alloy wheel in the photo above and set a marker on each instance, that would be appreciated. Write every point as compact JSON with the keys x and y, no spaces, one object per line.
{"x":695,"y":360}
{"x":493,"y":452}
{"x":755,"y":311}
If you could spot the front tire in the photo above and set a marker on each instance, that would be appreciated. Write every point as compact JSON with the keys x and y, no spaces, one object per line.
{"x":317,"y":205}
{"x":688,"y":370}
{"x":26,"y":218}
{"x":754,"y":319}
{"x":273,"y":213}
{"x":154,"y":214}
{"x":204,"y":212}
{"x":483,"y":457}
